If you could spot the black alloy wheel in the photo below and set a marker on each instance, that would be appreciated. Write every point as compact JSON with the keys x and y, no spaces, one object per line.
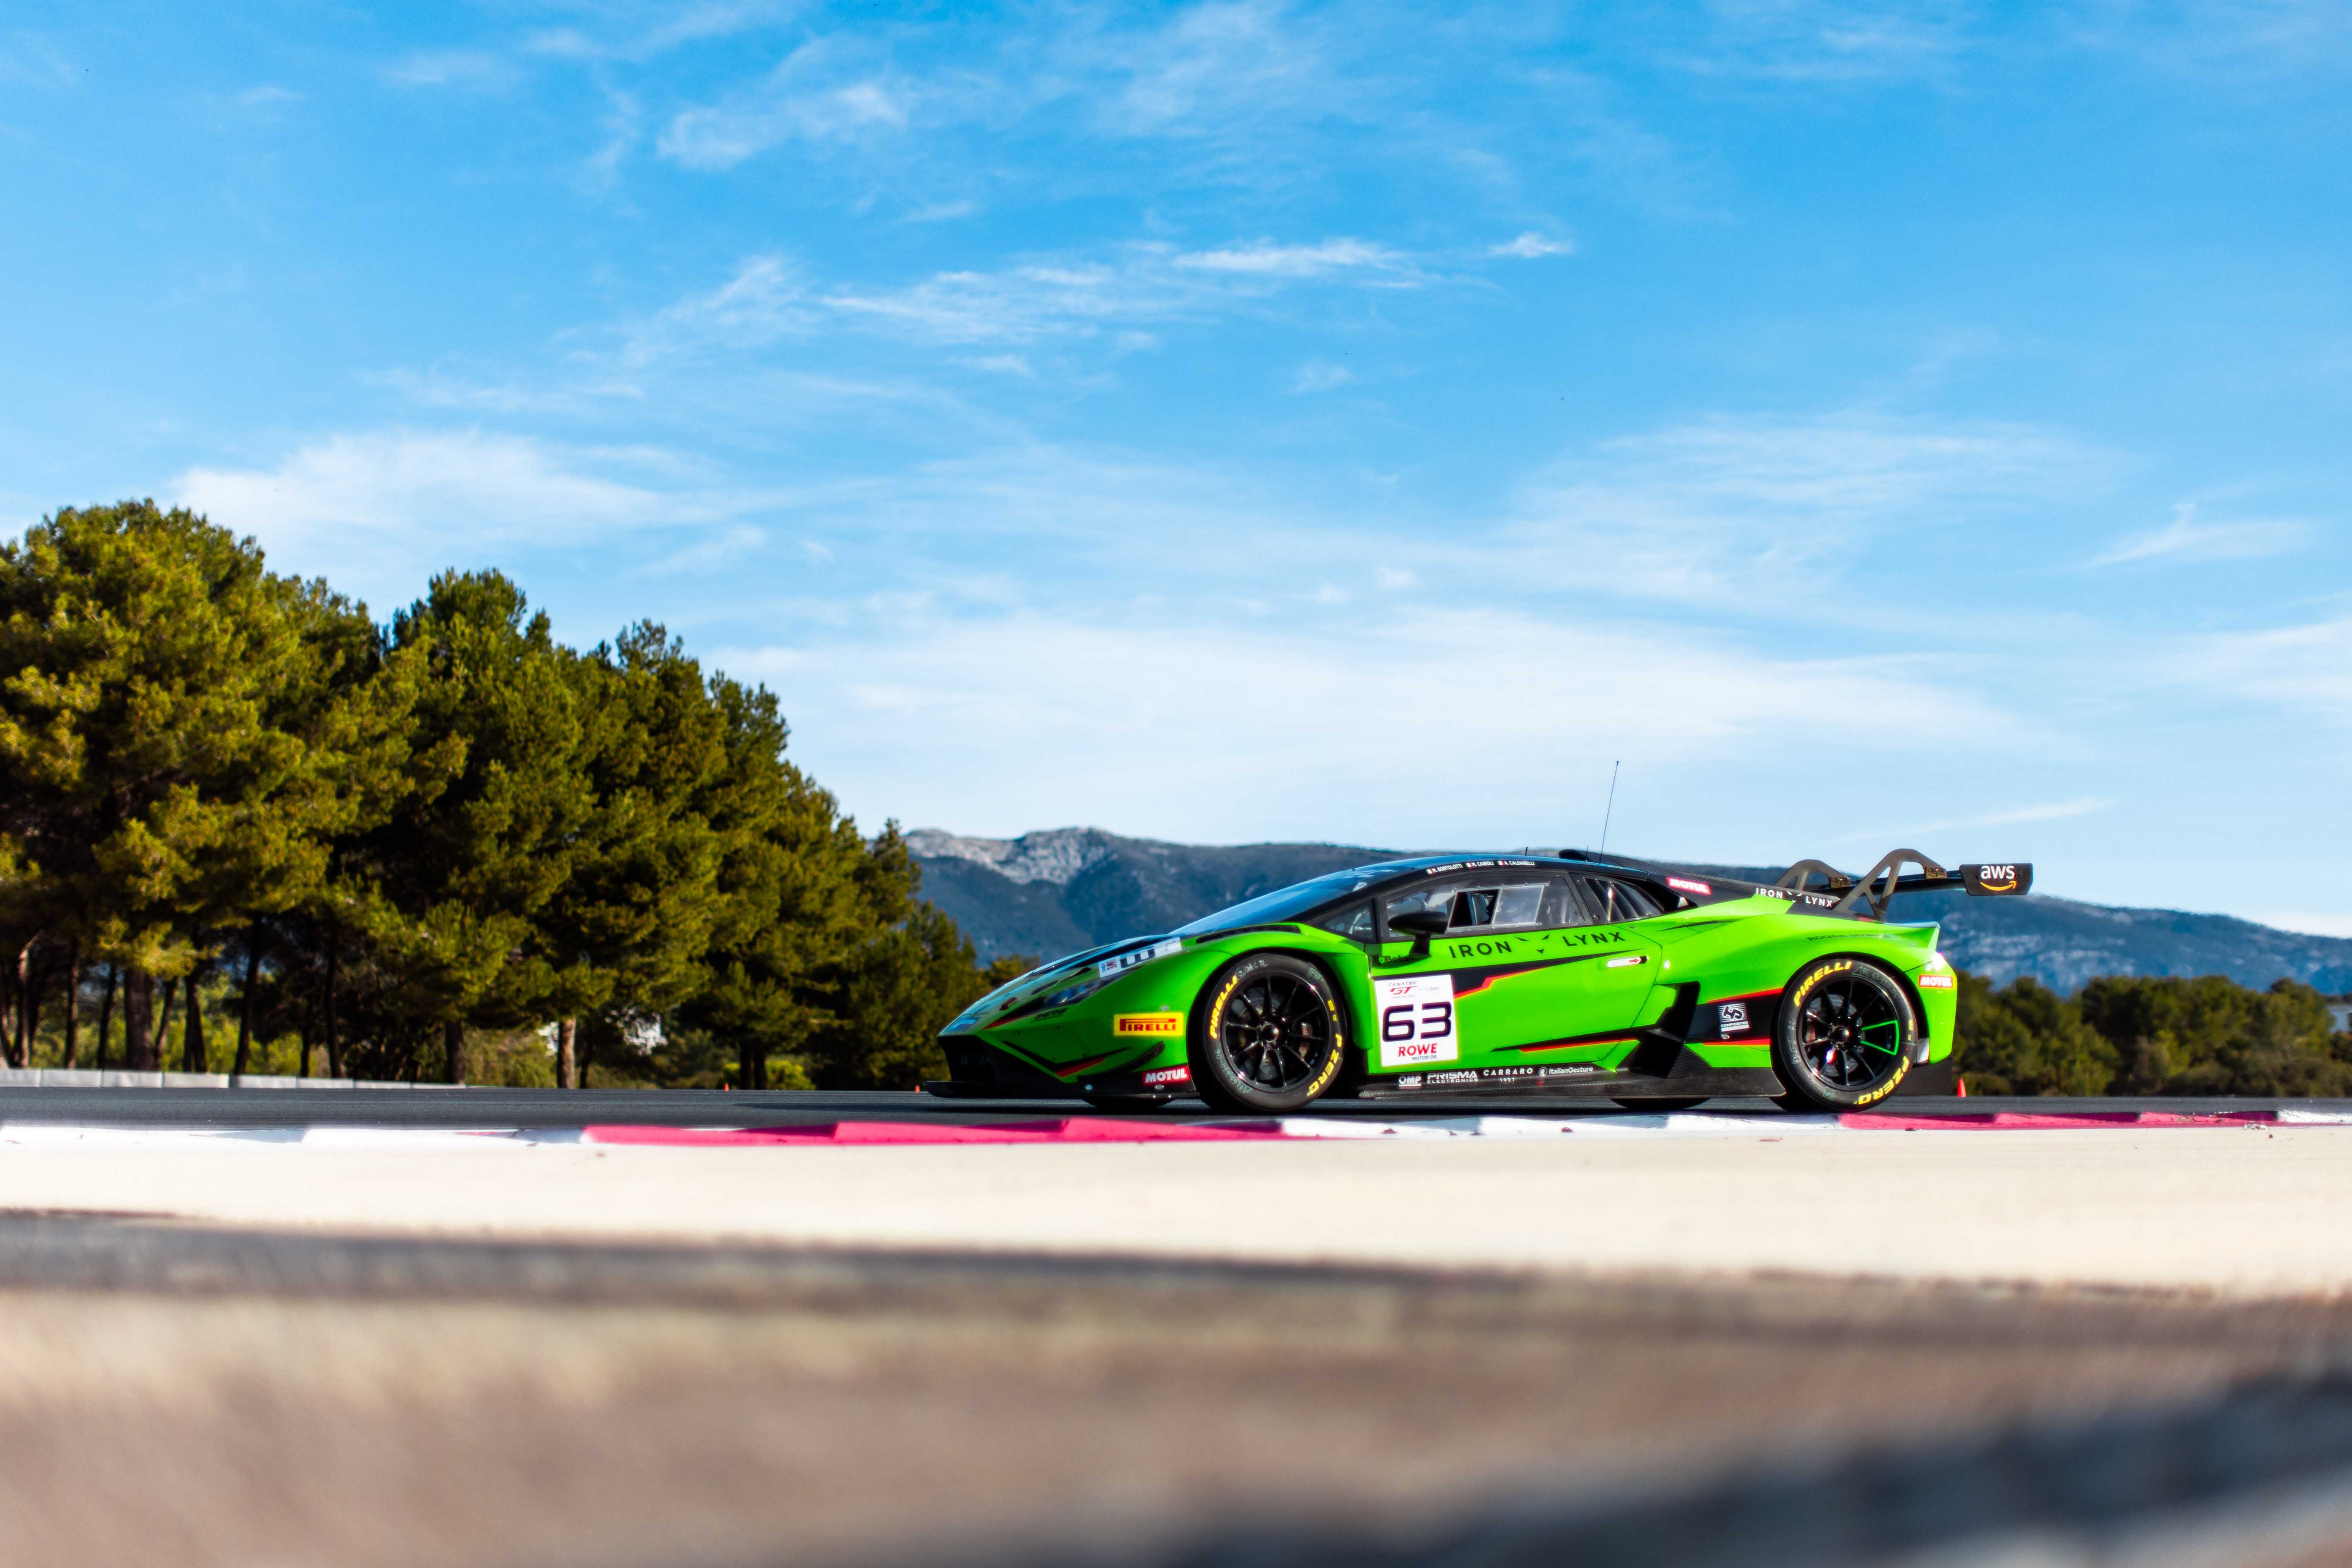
{"x":1266,"y":1035}
{"x":1842,"y":1039}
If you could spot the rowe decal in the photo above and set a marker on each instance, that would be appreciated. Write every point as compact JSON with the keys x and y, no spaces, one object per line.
{"x":1156,"y":1026}
{"x":1416,"y":1020}
{"x":1162,"y":1077}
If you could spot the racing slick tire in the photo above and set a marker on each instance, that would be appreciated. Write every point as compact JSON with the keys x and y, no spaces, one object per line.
{"x":1677,"y":1103}
{"x":1843,"y":1038}
{"x":1266,"y":1035}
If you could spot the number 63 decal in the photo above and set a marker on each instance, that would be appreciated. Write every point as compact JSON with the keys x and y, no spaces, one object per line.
{"x":1416,"y":1016}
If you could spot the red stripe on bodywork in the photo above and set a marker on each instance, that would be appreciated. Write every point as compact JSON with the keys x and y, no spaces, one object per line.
{"x":1066,"y":1130}
{"x":2051,"y":1121}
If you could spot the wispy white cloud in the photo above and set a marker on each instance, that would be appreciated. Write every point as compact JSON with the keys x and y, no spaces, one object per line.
{"x":2245,"y":40}
{"x":1265,"y":259}
{"x":1320,"y":376}
{"x":2185,"y":541}
{"x":2305,"y":668}
{"x":1742,"y":510}
{"x":723,"y":548}
{"x":1210,"y":65}
{"x":634,"y":30}
{"x":1531,"y":244}
{"x":1142,"y":282}
{"x":1824,"y":41}
{"x":763,"y":301}
{"x":380,"y":511}
{"x":2055,"y":811}
{"x":922,"y":685}
{"x":34,"y":59}
{"x":474,"y":70}
{"x":829,"y":91}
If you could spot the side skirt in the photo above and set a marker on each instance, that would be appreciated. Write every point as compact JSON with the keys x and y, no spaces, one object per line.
{"x":1687,"y":1078}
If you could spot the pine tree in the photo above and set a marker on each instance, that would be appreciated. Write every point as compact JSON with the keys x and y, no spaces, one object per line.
{"x":176,"y":726}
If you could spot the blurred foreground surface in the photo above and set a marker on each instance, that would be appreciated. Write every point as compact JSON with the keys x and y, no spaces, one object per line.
{"x":178,"y":1394}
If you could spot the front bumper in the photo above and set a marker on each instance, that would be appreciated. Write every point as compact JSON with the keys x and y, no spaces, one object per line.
{"x":979,"y":1070}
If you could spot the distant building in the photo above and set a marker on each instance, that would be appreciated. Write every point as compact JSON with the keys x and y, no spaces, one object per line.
{"x":2339,"y":1016}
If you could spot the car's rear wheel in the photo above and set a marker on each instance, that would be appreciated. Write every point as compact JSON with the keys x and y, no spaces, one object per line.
{"x":1682,"y":1103}
{"x":1844,"y":1036}
{"x":1266,"y":1035}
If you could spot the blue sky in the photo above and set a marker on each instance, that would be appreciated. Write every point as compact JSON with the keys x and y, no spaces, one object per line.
{"x":1909,"y":422}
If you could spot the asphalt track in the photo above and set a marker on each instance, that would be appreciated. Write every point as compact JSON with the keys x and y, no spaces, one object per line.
{"x":175,"y":1395}
{"x":2124,"y":1347}
{"x":547,"y":1108}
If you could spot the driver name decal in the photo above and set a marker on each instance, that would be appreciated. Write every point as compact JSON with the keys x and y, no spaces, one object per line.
{"x":1415,"y":1015}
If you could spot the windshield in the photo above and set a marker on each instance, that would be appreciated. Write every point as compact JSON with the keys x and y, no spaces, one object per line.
{"x":1283,"y":903}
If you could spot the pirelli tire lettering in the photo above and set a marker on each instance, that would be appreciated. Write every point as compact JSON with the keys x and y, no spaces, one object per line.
{"x":1269,"y":1034}
{"x":1844,"y":1036}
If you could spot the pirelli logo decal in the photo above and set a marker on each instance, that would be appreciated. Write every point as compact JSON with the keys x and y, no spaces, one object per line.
{"x":1150,"y":1025}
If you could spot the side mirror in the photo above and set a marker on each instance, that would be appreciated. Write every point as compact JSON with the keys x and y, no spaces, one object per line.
{"x":1418,"y":925}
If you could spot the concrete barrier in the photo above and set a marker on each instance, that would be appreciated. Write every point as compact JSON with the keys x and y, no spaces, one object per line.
{"x":87,"y":1077}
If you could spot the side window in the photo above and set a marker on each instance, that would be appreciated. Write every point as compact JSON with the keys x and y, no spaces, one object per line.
{"x":1353,"y":922}
{"x":1619,"y":900}
{"x":1517,"y":905}
{"x":1428,"y":896}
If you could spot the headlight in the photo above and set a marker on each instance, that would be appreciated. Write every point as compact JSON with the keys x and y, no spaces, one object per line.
{"x":1070,"y":993}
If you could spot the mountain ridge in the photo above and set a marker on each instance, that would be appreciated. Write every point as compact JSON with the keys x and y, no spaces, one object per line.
{"x":1056,"y":891}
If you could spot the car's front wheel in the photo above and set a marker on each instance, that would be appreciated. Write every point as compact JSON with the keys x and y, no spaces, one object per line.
{"x":1266,"y":1035}
{"x":1844,"y":1036}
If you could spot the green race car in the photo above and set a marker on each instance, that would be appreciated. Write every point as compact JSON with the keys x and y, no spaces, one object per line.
{"x":1564,"y":975}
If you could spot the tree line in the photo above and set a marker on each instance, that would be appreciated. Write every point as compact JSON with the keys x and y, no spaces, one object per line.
{"x":2133,"y":1034}
{"x":374,"y":848}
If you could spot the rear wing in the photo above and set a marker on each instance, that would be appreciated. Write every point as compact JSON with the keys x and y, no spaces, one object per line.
{"x":1878,"y":886}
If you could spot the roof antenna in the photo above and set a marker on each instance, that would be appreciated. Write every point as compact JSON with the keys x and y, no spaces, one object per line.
{"x":1611,"y":809}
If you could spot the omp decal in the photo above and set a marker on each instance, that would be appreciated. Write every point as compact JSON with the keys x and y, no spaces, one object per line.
{"x":1165,"y":1026}
{"x":1415,"y":1015}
